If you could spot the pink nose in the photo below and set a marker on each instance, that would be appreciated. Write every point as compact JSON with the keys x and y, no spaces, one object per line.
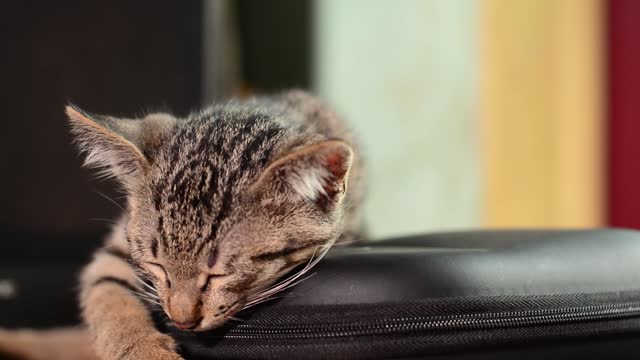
{"x":184,"y":310}
{"x":188,"y":325}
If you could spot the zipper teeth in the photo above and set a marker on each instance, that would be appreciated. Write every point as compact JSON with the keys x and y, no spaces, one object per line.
{"x":434,"y":323}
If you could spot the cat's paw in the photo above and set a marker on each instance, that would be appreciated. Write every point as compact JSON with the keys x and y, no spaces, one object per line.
{"x":13,"y":345}
{"x":152,"y":346}
{"x":55,"y":344}
{"x":162,"y":346}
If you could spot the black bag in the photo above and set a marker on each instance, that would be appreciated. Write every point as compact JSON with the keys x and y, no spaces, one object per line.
{"x":475,"y":295}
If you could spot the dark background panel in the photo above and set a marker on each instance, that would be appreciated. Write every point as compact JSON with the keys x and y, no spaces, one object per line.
{"x":275,"y":43}
{"x":116,"y":57}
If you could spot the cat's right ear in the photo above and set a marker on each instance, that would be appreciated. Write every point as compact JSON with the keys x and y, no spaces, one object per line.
{"x":117,"y":146}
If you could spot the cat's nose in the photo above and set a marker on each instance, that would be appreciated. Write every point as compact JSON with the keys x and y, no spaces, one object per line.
{"x":185,"y":319}
{"x":184,"y":310}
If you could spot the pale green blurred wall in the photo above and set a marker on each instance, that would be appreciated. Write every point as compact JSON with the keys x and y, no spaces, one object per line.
{"x":404,"y":74}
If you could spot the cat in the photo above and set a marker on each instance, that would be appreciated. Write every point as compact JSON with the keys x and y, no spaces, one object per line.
{"x":220,"y":205}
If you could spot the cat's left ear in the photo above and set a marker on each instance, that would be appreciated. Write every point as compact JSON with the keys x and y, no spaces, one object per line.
{"x":317,"y":173}
{"x":121,"y":147}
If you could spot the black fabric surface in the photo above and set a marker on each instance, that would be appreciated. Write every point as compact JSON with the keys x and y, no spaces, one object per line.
{"x":411,"y":277}
{"x":445,"y":274}
{"x":477,"y":263}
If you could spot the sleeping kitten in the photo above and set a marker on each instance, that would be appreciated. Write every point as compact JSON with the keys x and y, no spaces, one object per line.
{"x":219,"y":206}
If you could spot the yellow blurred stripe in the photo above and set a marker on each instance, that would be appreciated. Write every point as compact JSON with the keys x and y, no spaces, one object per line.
{"x":542,"y":112}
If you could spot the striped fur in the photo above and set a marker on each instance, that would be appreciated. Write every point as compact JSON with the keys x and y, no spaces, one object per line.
{"x":220,"y":205}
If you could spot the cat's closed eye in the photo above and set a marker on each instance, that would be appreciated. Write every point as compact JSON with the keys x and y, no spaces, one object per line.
{"x":159,"y":272}
{"x":210,"y":278}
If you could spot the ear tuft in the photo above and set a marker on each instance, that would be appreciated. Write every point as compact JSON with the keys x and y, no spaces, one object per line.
{"x":310,"y":183}
{"x":75,"y":114}
{"x":316,"y":173}
{"x":104,"y":145}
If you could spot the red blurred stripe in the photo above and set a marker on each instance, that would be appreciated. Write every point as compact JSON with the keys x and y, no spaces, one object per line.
{"x":624,"y":113}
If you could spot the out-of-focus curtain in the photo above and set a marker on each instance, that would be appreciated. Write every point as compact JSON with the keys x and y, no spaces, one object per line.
{"x":471,"y":113}
{"x":404,"y":74}
{"x":542,"y":87}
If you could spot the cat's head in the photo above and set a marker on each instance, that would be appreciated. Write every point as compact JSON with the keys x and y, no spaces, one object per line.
{"x":220,"y":205}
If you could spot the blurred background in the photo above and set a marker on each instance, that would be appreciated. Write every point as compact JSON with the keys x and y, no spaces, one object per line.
{"x":471,"y":113}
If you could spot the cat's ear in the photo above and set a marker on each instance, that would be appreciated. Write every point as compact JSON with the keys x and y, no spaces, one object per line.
{"x":316,"y":173}
{"x":118,"y":146}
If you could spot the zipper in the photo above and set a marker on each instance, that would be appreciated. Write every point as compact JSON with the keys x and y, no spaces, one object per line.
{"x":475,"y":321}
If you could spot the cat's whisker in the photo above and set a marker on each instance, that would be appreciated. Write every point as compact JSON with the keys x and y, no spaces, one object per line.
{"x":295,"y":283}
{"x":146,"y":294}
{"x":153,"y":302}
{"x":267,"y":298}
{"x":140,"y":277}
{"x":155,"y":296}
{"x":149,"y":299}
{"x":271,"y":297}
{"x":262,"y":293}
{"x":312,"y":262}
{"x":344,"y":243}
{"x":112,"y":201}
{"x":150,"y":296}
{"x":290,"y":281}
{"x":110,"y":221}
{"x":261,"y":301}
{"x":145,"y":284}
{"x":233,"y":318}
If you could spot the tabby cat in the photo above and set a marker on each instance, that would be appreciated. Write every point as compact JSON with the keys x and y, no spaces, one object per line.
{"x":220,"y":205}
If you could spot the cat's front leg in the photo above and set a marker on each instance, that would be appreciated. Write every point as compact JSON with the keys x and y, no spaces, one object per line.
{"x":55,"y":344}
{"x":119,"y":324}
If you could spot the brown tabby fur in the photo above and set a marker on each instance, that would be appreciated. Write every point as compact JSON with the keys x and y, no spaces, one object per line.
{"x":220,"y":205}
